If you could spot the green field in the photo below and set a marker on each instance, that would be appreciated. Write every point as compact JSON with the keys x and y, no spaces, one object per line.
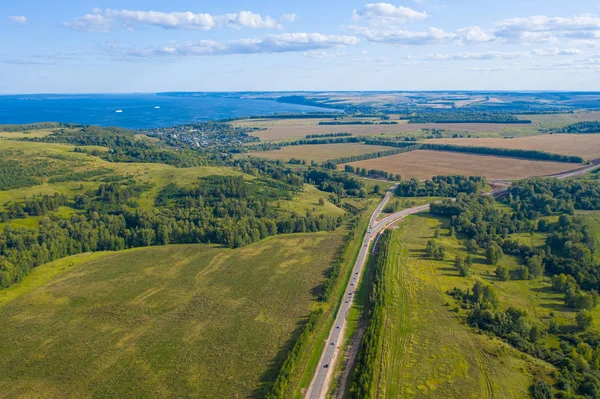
{"x":426,"y":350}
{"x":175,"y":321}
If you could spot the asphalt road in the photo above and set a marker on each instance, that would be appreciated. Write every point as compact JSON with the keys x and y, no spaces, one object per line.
{"x":320,"y":382}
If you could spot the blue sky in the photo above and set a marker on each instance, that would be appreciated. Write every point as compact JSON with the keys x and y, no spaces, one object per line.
{"x":108,"y":46}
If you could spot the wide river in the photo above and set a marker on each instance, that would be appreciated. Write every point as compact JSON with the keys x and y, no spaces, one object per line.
{"x":135,"y":111}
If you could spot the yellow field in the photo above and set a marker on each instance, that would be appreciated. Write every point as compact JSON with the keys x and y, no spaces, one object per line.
{"x":583,"y":145}
{"x":319,"y":152}
{"x":425,"y":164}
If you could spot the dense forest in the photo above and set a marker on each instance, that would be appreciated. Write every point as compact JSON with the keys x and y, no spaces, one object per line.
{"x":578,"y":128}
{"x":505,"y":152}
{"x":324,"y":135}
{"x":441,"y":186}
{"x":466,"y":117}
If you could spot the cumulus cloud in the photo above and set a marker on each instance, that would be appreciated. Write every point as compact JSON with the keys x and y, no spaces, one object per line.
{"x":386,"y":13}
{"x":103,"y":20}
{"x":18,"y":19}
{"x":431,"y":36}
{"x":543,"y":28}
{"x":474,"y":34}
{"x":282,"y":43}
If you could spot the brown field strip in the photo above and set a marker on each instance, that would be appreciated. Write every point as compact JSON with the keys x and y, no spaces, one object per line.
{"x":584,"y":145}
{"x":320,"y":152}
{"x":425,"y":164}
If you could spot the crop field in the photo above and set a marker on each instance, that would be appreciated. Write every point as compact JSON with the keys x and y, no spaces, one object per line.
{"x":426,"y":351}
{"x":174,"y":321}
{"x":586,"y":146}
{"x":319,"y":152}
{"x":425,"y":164}
{"x":287,"y":129}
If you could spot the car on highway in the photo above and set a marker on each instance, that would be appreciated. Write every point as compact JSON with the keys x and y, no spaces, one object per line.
{"x":326,"y":366}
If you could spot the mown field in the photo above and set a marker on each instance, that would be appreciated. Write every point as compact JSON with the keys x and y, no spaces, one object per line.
{"x":586,"y":146}
{"x":175,"y":321}
{"x":319,"y":152}
{"x":424,"y":164}
{"x":426,"y":350}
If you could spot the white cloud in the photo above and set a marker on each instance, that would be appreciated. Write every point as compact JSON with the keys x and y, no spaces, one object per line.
{"x":474,"y":34}
{"x":282,"y":43}
{"x":386,"y":13}
{"x":18,"y":19}
{"x":103,"y":20}
{"x":543,"y":28}
{"x":403,"y":37}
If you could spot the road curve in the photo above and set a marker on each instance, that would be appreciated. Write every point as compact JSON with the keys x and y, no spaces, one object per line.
{"x":320,"y":382}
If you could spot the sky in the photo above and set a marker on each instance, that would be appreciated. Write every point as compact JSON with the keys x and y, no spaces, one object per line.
{"x":125,"y":46}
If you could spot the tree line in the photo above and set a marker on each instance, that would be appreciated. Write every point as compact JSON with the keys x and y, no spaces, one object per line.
{"x":324,"y":135}
{"x":504,"y":152}
{"x":466,"y":117}
{"x":589,"y":127}
{"x":441,"y":186}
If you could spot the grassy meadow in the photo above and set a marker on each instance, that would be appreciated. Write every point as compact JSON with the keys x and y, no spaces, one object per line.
{"x":174,"y":321}
{"x":426,"y":349}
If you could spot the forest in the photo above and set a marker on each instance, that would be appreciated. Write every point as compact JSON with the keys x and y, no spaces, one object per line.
{"x":441,"y":186}
{"x":466,"y":117}
{"x":577,"y":128}
{"x":568,"y":256}
{"x":505,"y":152}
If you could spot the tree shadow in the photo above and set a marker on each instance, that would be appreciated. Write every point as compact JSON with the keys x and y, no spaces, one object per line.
{"x":544,"y":290}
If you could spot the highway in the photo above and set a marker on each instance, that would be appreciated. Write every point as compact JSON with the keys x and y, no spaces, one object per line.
{"x":320,"y":382}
